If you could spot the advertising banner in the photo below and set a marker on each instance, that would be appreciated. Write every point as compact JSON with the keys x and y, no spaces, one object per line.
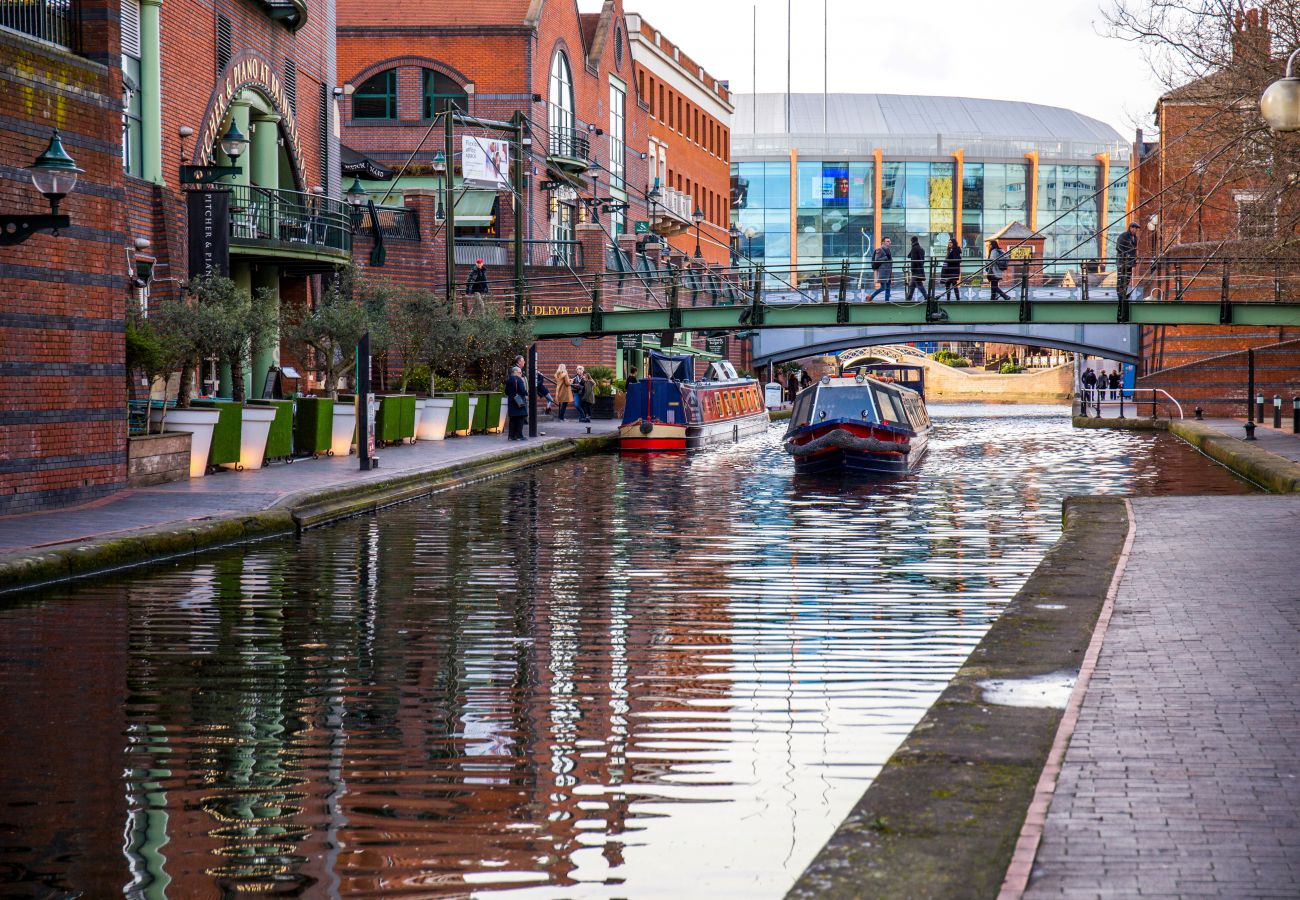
{"x":209,"y":222}
{"x":485,"y":162}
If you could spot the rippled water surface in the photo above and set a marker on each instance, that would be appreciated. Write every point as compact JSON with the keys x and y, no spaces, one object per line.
{"x":641,"y":677}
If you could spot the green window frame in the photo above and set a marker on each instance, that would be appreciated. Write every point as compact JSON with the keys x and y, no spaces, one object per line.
{"x":376,"y":97}
{"x":439,"y":92}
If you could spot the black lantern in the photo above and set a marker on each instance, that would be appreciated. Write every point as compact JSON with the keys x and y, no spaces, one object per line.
{"x":699,"y":219}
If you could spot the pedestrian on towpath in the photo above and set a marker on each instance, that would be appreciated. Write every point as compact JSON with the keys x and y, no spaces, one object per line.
{"x":588,"y":395}
{"x":1089,"y":381}
{"x":997,"y":267}
{"x":882,"y":265}
{"x":951,"y":273}
{"x":517,"y":400}
{"x":478,"y":283}
{"x":1126,"y":252}
{"x":1114,"y":385}
{"x":917,"y":255}
{"x":563,"y":389}
{"x":579,"y":391}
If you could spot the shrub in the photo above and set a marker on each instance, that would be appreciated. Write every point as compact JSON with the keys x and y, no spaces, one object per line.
{"x":1010,"y":368}
{"x":948,"y":358}
{"x":604,"y":377}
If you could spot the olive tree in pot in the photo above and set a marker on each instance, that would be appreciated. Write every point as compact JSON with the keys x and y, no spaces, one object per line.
{"x":604,"y":378}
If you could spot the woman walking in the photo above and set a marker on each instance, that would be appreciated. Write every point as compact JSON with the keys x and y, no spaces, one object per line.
{"x":563,"y":389}
{"x":997,"y":267}
{"x":951,"y":273}
{"x":579,"y":398}
{"x":588,"y":396}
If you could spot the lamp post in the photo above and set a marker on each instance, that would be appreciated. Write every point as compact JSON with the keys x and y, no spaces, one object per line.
{"x":653,"y":198}
{"x":440,"y":171}
{"x":233,"y":141}
{"x":734,"y":234}
{"x":699,"y":219}
{"x":54,"y":175}
{"x":1280,"y":102}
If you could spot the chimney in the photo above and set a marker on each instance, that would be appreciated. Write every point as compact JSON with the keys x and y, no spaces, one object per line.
{"x":1251,"y":41}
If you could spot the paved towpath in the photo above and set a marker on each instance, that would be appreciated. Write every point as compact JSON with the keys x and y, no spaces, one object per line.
{"x":230,"y":492}
{"x":1182,"y":777}
{"x":1282,"y":442}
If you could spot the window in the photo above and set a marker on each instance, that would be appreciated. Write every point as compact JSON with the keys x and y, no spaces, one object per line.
{"x":1256,"y":216}
{"x":132,"y":105}
{"x":617,"y":134}
{"x":560,"y":119}
{"x":376,"y":98}
{"x":441,"y":93}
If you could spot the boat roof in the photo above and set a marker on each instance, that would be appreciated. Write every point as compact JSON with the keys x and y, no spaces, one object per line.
{"x":845,"y":381}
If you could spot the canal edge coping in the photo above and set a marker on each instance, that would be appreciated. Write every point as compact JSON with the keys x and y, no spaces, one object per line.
{"x":29,"y":569}
{"x":944,"y":815}
{"x":1268,"y":470}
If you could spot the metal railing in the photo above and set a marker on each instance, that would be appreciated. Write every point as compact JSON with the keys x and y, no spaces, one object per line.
{"x":500,"y":252}
{"x":569,"y":142}
{"x":289,"y":218}
{"x":56,"y":21}
{"x":396,"y":222}
{"x":1110,"y":403}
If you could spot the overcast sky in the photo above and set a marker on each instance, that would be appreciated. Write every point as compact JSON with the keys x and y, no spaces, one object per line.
{"x":1043,"y":51}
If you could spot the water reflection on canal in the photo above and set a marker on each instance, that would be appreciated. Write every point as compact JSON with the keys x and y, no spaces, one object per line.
{"x":638,"y":678}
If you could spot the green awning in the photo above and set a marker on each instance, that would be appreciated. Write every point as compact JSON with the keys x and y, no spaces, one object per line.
{"x":474,"y":209}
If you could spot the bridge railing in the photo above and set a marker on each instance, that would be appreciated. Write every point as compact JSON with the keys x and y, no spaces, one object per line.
{"x":1125,"y":403}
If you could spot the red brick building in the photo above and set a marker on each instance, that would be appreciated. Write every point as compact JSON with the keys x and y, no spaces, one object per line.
{"x":62,"y":402}
{"x":1195,"y":199}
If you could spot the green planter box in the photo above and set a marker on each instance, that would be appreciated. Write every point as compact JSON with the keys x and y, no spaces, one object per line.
{"x":481,"y":419}
{"x":491,"y":406}
{"x":229,"y":429}
{"x":312,"y":424}
{"x":395,"y":419}
{"x":458,"y":422}
{"x":279,"y":440}
{"x":407,"y":408}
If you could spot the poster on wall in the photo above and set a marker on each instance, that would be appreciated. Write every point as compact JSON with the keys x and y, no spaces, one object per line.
{"x":209,"y":223}
{"x":485,"y":162}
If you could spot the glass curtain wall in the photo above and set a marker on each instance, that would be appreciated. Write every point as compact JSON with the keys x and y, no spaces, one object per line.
{"x":762,"y":211}
{"x":1116,"y":208}
{"x":993,"y":196}
{"x":916,"y":200}
{"x":1068,"y":207}
{"x":834,"y":215}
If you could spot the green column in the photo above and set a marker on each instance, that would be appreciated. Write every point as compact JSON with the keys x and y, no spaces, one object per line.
{"x":151,"y":89}
{"x":239,"y":111}
{"x":265,"y":150}
{"x":241,"y":273}
{"x":266,"y":277}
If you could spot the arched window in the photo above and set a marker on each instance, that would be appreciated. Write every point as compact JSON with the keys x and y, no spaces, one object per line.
{"x":440,"y":92}
{"x":560,"y":120}
{"x":376,"y":97}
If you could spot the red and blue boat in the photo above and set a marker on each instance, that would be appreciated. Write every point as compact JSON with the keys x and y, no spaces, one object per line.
{"x":670,"y":410}
{"x":857,"y":424}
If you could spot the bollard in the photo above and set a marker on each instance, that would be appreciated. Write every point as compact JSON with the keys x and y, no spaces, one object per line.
{"x":1295,"y":415}
{"x":1259,"y":408}
{"x":1277,"y":412}
{"x":1200,"y":414}
{"x":1250,"y":430}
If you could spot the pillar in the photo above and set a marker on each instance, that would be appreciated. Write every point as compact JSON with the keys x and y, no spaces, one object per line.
{"x":241,"y":273}
{"x":266,"y":278}
{"x":264,"y":150}
{"x":1031,"y":189}
{"x":151,"y":90}
{"x":240,"y":112}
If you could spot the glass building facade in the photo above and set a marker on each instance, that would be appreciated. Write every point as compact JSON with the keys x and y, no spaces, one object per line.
{"x":798,"y":202}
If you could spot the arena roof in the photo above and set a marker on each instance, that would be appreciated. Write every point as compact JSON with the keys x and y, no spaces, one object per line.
{"x":912,"y":125}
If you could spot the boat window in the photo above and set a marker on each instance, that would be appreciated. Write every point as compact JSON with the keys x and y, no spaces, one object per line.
{"x":802,"y":407}
{"x":888,"y":411}
{"x":849,"y":402}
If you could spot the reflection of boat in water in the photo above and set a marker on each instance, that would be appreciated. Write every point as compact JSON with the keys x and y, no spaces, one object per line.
{"x":671,"y":411}
{"x":859,"y":424}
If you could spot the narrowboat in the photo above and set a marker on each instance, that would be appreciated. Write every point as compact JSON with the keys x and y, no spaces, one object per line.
{"x":671,"y":411}
{"x":859,"y":424}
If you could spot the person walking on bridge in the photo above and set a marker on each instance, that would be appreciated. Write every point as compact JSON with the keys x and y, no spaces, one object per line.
{"x":997,"y":267}
{"x":477,"y":283}
{"x":882,"y":264}
{"x":917,"y":282}
{"x":1126,"y":253}
{"x":951,"y":273}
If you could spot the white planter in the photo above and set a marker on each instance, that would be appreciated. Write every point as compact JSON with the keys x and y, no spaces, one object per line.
{"x":505,"y":415}
{"x":199,"y":423}
{"x":433,"y":421}
{"x":473,"y":405}
{"x":343,"y":428}
{"x":419,"y":414}
{"x":255,"y":428}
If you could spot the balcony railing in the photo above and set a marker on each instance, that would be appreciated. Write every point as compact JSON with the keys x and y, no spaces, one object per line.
{"x":395,"y":222}
{"x":500,"y":252}
{"x":56,"y":21}
{"x":290,"y":220}
{"x":570,"y":143}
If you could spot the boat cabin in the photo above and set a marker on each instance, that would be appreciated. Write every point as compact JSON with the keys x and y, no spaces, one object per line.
{"x":859,"y":399}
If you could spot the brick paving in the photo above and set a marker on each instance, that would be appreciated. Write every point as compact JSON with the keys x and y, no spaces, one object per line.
{"x":1282,"y":442}
{"x":230,"y":492}
{"x":1183,"y":775}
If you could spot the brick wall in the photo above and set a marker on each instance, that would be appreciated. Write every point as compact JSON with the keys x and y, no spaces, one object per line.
{"x":1218,"y":384}
{"x":62,"y":382}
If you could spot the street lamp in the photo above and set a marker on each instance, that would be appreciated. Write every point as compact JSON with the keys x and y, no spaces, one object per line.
{"x":439,"y":171}
{"x":653,"y":198}
{"x":54,"y":174}
{"x":699,"y":219}
{"x":1280,"y":102}
{"x":233,"y":141}
{"x":356,"y":195}
{"x":733,"y":233}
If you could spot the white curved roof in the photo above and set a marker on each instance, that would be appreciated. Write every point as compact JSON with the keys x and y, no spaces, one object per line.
{"x":912,"y":125}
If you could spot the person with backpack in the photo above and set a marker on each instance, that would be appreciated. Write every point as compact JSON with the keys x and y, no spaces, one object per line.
{"x":997,"y":268}
{"x":917,"y":282}
{"x":882,"y":265}
{"x":951,"y":272}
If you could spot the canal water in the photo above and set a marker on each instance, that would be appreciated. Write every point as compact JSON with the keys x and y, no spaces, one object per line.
{"x":611,"y":677}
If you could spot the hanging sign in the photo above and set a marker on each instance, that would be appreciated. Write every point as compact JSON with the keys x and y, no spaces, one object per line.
{"x":630,"y":342}
{"x":716,"y":345}
{"x":485,"y":162}
{"x":209,"y":226}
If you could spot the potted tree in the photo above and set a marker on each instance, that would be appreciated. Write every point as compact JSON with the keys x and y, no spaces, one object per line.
{"x":604,"y":378}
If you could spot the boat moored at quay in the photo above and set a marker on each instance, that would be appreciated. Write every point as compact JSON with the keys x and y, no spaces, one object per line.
{"x":859,"y":424}
{"x":671,"y":411}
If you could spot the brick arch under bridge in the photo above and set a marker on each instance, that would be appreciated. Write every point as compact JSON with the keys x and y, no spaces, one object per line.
{"x":1117,"y":342}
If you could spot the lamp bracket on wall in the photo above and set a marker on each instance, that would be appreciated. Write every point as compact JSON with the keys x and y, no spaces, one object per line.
{"x":207,"y":174}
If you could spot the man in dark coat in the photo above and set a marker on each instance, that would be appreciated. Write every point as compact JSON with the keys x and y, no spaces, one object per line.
{"x":1126,"y":253}
{"x":478,"y":283}
{"x":882,"y":264}
{"x":517,"y":401}
{"x":917,"y":255}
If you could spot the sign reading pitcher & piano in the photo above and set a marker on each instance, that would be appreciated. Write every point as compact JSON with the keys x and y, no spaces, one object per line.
{"x":209,"y":227}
